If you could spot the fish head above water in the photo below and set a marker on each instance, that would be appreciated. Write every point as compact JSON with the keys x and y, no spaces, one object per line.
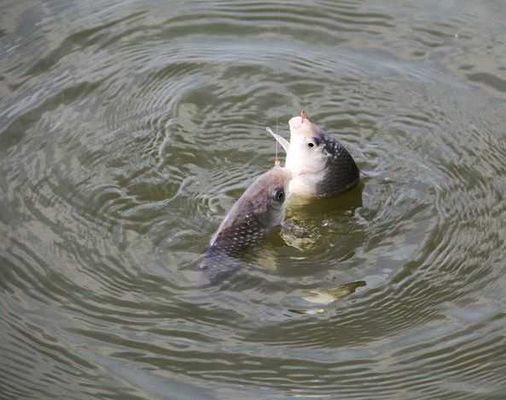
{"x":260,"y":208}
{"x":305,"y":155}
{"x":320,"y":165}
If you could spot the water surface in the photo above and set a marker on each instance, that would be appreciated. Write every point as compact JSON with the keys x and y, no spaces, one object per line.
{"x":128,"y":129}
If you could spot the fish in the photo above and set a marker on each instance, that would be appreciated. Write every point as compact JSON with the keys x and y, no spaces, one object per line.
{"x":259,"y":210}
{"x":320,"y":165}
{"x":329,"y":295}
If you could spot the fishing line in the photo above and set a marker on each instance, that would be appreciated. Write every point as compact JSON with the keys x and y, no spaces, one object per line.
{"x":276,"y":161}
{"x":278,"y":73}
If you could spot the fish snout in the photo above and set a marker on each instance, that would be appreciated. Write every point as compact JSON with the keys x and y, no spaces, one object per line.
{"x":302,"y":125}
{"x":295,"y":123}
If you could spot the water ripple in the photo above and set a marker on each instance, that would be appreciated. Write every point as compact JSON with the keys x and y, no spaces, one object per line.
{"x":127,"y":132}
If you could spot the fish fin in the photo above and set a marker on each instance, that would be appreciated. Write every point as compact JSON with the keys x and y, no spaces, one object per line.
{"x":281,"y":140}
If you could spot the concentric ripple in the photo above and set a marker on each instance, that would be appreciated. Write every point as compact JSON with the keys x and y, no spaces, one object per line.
{"x":128,"y":129}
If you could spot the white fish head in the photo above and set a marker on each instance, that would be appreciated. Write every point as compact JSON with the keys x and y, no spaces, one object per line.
{"x":305,"y":155}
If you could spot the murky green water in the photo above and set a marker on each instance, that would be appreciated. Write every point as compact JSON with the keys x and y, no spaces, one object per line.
{"x":128,"y":129}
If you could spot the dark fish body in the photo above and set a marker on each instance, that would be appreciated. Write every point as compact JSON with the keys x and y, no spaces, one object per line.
{"x":255,"y":214}
{"x":340,"y":172}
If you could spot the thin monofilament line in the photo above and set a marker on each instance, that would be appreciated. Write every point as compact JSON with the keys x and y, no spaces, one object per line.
{"x":276,"y":161}
{"x":278,"y":73}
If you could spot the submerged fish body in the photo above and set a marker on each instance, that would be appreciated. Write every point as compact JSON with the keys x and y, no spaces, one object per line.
{"x":329,"y":295}
{"x":320,"y":165}
{"x":260,"y":209}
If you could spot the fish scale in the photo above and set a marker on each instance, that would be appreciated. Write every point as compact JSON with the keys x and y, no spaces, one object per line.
{"x":341,"y":172}
{"x":255,"y":213}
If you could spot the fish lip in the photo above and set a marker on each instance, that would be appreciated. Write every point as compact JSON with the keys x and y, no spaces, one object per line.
{"x":302,"y":124}
{"x":294,"y":123}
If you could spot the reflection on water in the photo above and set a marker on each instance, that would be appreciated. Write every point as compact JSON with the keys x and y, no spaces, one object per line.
{"x":128,"y":129}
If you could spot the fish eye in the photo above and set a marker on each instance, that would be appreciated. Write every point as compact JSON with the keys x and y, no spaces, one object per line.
{"x":279,"y":195}
{"x":314,"y":142}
